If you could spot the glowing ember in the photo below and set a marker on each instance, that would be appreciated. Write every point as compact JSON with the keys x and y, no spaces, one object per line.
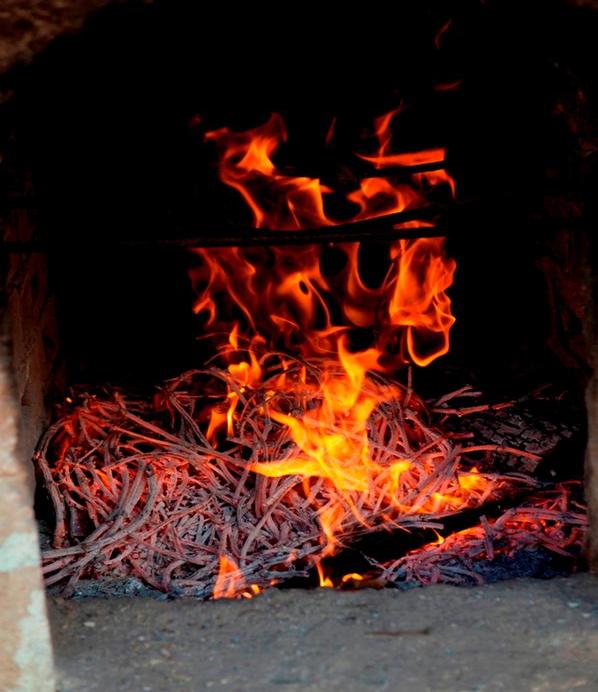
{"x":548,"y":521}
{"x":167,"y":507}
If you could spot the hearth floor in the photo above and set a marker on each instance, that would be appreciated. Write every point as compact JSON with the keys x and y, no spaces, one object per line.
{"x":518,"y":635}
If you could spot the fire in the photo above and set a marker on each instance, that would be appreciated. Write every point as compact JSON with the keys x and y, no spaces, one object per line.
{"x":229,"y":582}
{"x":276,"y":200}
{"x":325,"y":582}
{"x":353,"y":576}
{"x":294,"y":439}
{"x":333,"y":437}
{"x":284,"y":294}
{"x":419,"y":300}
{"x":283,"y":298}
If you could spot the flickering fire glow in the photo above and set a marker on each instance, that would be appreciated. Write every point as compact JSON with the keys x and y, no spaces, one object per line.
{"x":292,"y":440}
{"x":291,"y":304}
{"x":283,"y":295}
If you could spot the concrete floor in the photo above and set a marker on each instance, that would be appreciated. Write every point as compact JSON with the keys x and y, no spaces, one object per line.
{"x":517,"y":635}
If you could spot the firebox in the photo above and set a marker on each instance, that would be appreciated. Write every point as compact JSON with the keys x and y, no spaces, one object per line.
{"x":296,"y":306}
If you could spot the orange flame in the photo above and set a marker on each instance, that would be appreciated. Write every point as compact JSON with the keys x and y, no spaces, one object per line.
{"x":419,"y":300}
{"x":333,"y":437}
{"x":283,"y":297}
{"x":276,"y":200}
{"x":291,"y":299}
{"x":229,"y":582}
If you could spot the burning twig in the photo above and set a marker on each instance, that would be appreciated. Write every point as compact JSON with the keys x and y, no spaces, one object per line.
{"x":545,"y":521}
{"x":193,"y":513}
{"x":233,"y":478}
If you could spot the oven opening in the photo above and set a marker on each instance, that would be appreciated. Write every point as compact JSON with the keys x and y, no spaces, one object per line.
{"x":303,"y":309}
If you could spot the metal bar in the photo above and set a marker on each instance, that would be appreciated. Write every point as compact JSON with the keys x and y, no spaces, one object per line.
{"x":371,"y":229}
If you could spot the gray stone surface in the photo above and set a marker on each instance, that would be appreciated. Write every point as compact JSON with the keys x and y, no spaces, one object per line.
{"x":519,"y":635}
